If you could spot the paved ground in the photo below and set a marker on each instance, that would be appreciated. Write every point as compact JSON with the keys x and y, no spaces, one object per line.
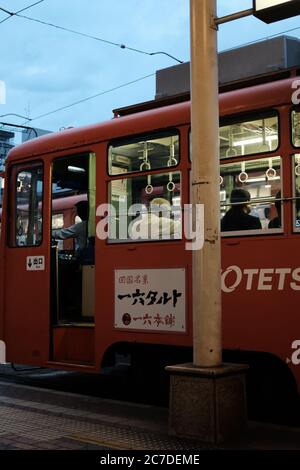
{"x":32,"y":418}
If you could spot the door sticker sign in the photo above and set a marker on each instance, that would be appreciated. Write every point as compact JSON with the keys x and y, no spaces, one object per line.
{"x":35,"y":263}
{"x":150,"y":299}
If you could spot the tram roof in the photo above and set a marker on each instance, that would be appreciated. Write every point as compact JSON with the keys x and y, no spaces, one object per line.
{"x":248,"y":99}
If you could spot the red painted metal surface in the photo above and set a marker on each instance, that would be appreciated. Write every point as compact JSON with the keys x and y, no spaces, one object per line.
{"x":73,"y":344}
{"x":259,"y":314}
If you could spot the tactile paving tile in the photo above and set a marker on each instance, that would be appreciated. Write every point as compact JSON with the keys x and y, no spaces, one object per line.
{"x":39,"y":428}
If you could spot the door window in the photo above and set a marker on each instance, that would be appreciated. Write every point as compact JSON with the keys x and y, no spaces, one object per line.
{"x":26,"y":207}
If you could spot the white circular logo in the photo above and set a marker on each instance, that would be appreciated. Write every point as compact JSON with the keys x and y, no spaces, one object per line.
{"x":238,"y":273}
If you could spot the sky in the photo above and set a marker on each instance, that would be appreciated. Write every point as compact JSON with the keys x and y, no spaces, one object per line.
{"x":45,"y":68}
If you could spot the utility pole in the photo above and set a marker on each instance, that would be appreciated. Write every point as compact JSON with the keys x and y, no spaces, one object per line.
{"x":207,"y":398}
{"x":205,"y":183}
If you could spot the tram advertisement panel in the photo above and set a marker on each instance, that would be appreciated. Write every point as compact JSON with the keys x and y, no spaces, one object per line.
{"x":150,"y":299}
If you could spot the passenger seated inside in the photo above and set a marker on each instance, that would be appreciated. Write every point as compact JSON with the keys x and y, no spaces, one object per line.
{"x":238,"y":217}
{"x":157,"y":224}
{"x":276,"y":221}
{"x":76,"y":231}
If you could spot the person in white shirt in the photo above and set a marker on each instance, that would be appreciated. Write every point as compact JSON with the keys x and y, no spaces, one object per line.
{"x":76,"y":231}
{"x":157,"y":224}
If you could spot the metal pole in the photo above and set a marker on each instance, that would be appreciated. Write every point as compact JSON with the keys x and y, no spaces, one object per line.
{"x":234,"y":16}
{"x":205,"y":183}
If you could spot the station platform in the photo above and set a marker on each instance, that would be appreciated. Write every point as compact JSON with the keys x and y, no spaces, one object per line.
{"x":33,"y":418}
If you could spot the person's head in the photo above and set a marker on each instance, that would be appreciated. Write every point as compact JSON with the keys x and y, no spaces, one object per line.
{"x":239,"y":196}
{"x":160,"y":205}
{"x":82,"y":210}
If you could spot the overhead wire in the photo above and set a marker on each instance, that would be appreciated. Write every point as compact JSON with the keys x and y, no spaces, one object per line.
{"x":123,"y":46}
{"x":261,"y":39}
{"x":141,"y":78}
{"x":90,"y":36}
{"x":88,"y":98}
{"x":11,"y":14}
{"x":132,"y":82}
{"x":120,"y":45}
{"x":12,"y":114}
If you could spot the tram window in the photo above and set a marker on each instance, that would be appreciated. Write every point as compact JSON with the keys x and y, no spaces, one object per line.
{"x":259,"y":180}
{"x":296,"y":128}
{"x":145,"y":208}
{"x":70,"y":184}
{"x":296,"y":204}
{"x":57,"y":221}
{"x":26,"y":229}
{"x":144,"y":153}
{"x":250,"y":136}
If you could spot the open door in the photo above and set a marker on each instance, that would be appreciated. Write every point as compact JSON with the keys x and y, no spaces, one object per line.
{"x":72,"y":259}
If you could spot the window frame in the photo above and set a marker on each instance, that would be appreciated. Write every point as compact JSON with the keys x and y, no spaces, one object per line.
{"x":131,"y":175}
{"x":297,"y":109}
{"x":136,"y":137}
{"x":14,"y":170}
{"x":253,"y":116}
{"x":85,"y":154}
{"x":262,"y":231}
{"x":294,"y":228}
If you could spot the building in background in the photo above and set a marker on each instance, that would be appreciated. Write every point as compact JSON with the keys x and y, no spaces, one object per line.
{"x":238,"y":66}
{"x":10,"y":136}
{"x":6,"y":143}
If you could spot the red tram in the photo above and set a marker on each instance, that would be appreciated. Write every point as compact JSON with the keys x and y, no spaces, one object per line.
{"x":133,"y":296}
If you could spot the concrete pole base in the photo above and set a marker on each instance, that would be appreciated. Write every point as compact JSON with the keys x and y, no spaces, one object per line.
{"x":207,"y":404}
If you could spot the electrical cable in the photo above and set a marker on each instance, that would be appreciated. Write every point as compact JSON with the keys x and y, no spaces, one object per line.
{"x":96,"y":38}
{"x":13,"y":114}
{"x":261,"y":39}
{"x":88,"y":98}
{"x":19,"y":11}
